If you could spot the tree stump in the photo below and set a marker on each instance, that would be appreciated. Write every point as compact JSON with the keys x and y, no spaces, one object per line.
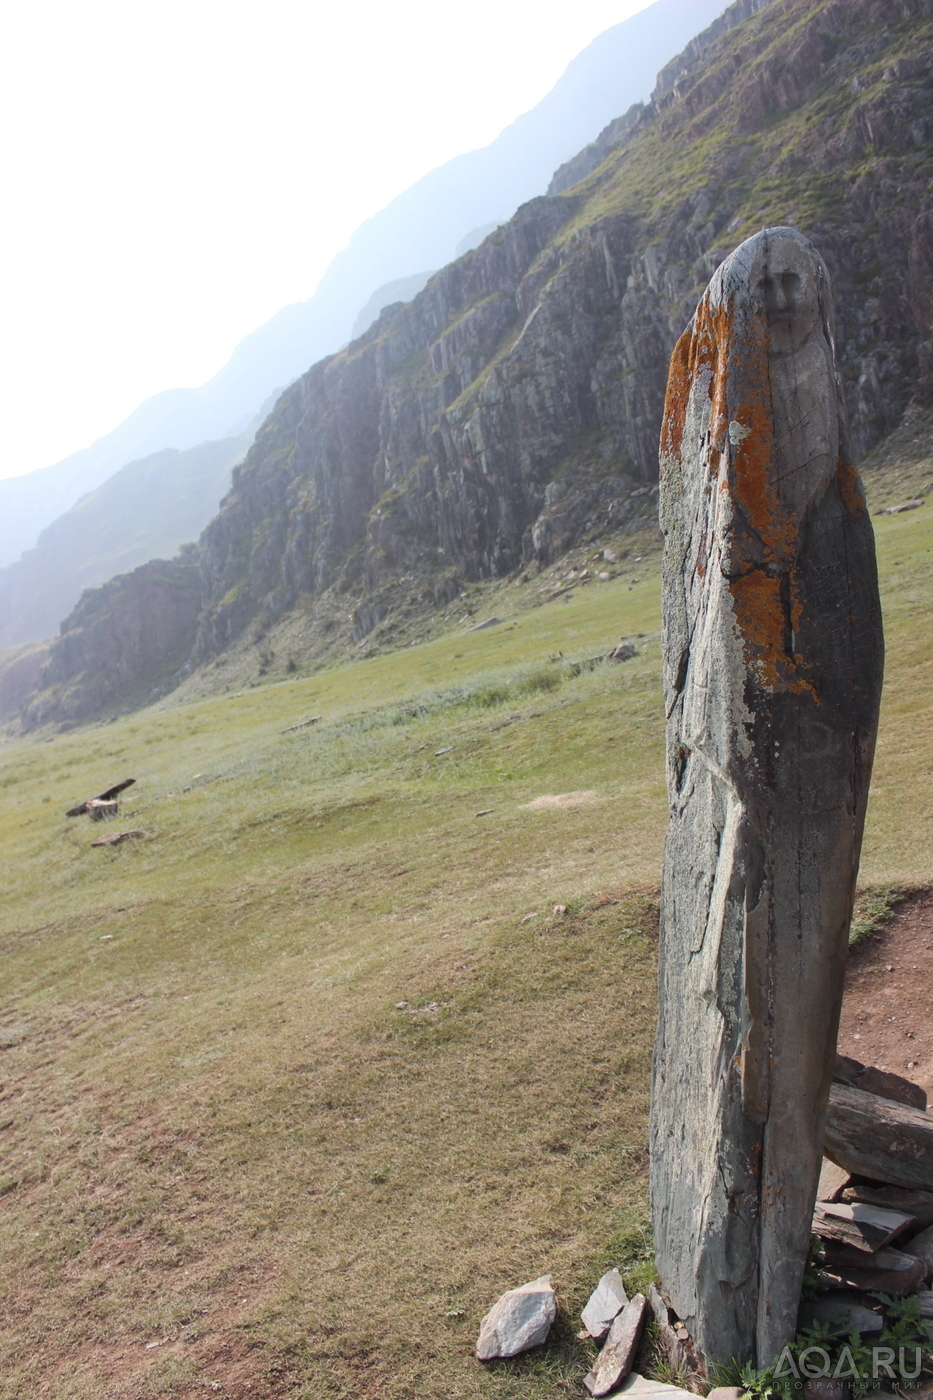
{"x":773,"y":660}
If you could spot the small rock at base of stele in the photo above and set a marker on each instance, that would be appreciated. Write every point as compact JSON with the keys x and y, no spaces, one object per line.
{"x":636,"y":1387}
{"x":520,"y":1320}
{"x":606,"y":1302}
{"x":615,"y":1360}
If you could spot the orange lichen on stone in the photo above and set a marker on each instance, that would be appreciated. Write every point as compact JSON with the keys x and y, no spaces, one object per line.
{"x":760,"y":616}
{"x":740,"y":393}
{"x":850,"y":487}
{"x":714,"y":352}
{"x":755,"y":486}
{"x":676,"y":399}
{"x":709,"y":352}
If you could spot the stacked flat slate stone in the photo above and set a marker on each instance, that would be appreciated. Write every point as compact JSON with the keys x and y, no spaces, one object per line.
{"x":773,"y":667}
{"x":876,"y":1228}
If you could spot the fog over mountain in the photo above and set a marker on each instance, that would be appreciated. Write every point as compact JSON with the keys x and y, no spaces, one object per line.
{"x":421,"y":229}
{"x":401,"y":289}
{"x":148,"y":508}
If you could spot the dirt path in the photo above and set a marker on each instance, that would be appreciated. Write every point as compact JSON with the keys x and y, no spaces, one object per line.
{"x":887,"y":1015}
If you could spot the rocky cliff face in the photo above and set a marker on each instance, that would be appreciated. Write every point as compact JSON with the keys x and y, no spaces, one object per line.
{"x":20,"y":668}
{"x":671,"y":76}
{"x":121,"y":646}
{"x":148,"y":508}
{"x":514,"y":404}
{"x":533,"y":369}
{"x":447,"y":436}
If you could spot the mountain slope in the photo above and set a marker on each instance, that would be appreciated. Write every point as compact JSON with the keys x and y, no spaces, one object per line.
{"x":402,"y":289}
{"x":318,"y":1040}
{"x":148,"y":508}
{"x":513,"y":407}
{"x":592,"y":156}
{"x":520,"y":393}
{"x":420,"y":229}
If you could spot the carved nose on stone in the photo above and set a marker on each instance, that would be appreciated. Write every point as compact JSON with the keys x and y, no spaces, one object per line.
{"x":781,"y":294}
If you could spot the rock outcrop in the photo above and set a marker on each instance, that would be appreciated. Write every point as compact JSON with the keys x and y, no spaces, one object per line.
{"x":19,"y":672}
{"x":122,"y":645}
{"x":773,"y":666}
{"x":620,"y":128}
{"x":145,"y":511}
{"x":517,"y":399}
{"x":514,"y":405}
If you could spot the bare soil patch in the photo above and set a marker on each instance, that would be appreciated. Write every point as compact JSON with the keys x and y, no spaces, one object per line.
{"x":561,"y":799}
{"x":887,"y":1015}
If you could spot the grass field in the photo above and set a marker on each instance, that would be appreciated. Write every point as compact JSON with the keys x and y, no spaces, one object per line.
{"x":294,"y":1087}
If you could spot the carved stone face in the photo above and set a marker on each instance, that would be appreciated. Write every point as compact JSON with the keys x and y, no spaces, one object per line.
{"x":787,"y":292}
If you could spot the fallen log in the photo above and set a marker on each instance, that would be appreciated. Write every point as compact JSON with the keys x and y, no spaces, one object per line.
{"x":108,"y":796}
{"x":116,"y":837}
{"x":880,"y":1139}
{"x":115,"y":791}
{"x":304,"y":724}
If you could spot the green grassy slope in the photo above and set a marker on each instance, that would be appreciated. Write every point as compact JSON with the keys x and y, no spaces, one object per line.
{"x":298,"y":1084}
{"x":770,"y":134}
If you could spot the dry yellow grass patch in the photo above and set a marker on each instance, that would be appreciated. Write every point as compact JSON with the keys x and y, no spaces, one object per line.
{"x":563,"y":799}
{"x":293,"y":1088}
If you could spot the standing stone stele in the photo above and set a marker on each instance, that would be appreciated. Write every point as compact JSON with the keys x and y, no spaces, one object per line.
{"x":773,"y":659}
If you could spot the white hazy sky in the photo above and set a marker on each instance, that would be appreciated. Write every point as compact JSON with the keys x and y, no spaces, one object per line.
{"x":173,"y":173}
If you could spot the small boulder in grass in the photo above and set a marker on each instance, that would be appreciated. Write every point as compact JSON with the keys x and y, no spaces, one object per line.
{"x":520,"y":1320}
{"x":606,"y":1302}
